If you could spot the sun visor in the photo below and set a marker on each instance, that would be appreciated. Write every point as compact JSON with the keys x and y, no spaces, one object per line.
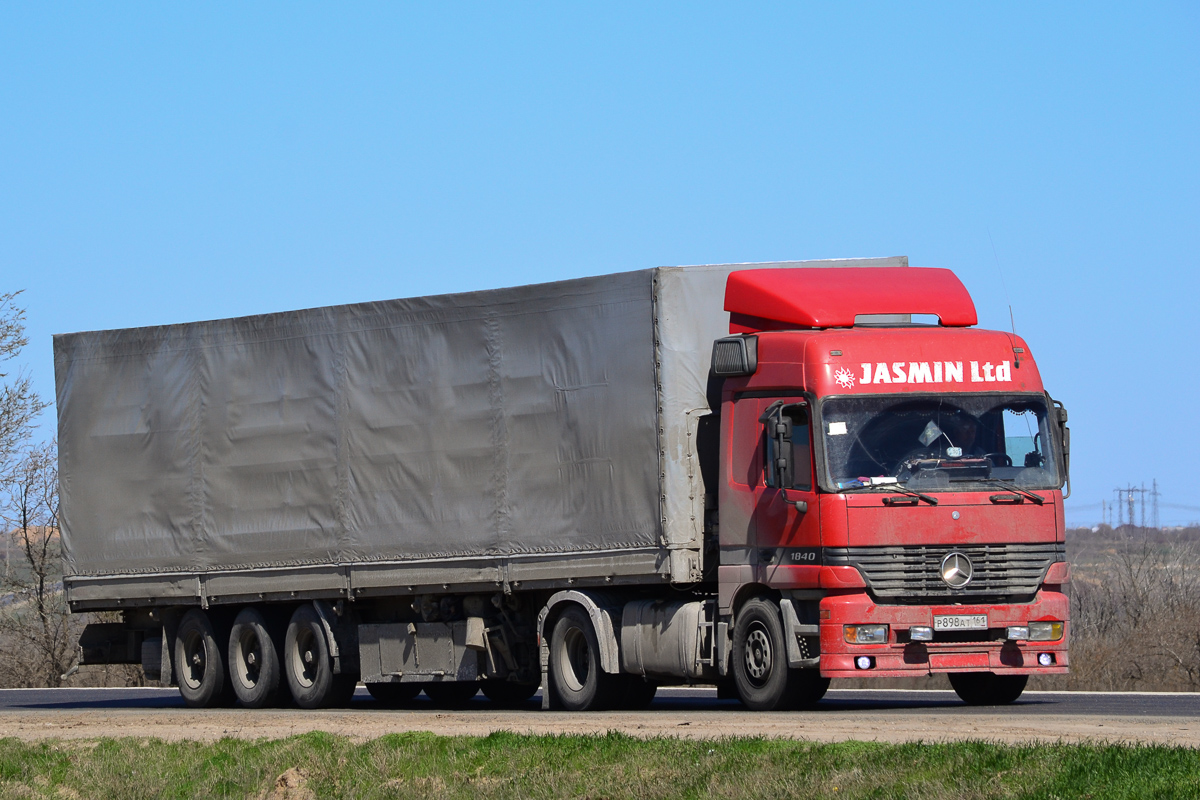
{"x":780,"y":299}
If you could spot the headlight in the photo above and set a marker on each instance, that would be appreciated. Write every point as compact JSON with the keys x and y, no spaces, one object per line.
{"x":1045,"y":631}
{"x":866,"y":634}
{"x":920,"y":633}
{"x":1017,"y":633}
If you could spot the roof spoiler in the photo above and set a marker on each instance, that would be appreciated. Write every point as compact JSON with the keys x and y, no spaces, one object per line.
{"x":787,"y":299}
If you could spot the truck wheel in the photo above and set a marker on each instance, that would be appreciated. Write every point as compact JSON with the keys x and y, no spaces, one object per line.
{"x":576,"y":677}
{"x":760,"y":668}
{"x":200,"y":663}
{"x":987,"y":688}
{"x":636,"y":693}
{"x":394,"y":695}
{"x":306,"y":661}
{"x":344,"y":687}
{"x":509,"y":694}
{"x":253,"y":660}
{"x":451,"y":694}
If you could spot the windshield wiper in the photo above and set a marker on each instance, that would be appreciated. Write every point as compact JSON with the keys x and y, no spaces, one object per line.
{"x":900,"y":489}
{"x":1037,"y":498}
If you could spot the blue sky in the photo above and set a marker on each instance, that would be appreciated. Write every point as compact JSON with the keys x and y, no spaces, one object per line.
{"x":161,"y":164}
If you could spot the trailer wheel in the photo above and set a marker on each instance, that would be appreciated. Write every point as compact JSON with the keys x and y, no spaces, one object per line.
{"x":394,"y":695}
{"x":200,"y":663}
{"x":307,"y":663}
{"x":451,"y":694}
{"x":987,"y":688}
{"x":509,"y":694}
{"x":576,"y":677}
{"x":253,"y":660}
{"x":760,"y":668}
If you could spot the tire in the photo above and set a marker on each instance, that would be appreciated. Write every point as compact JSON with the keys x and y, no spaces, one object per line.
{"x":451,"y":694}
{"x":307,"y":664}
{"x":635,"y":693}
{"x":576,"y":677}
{"x":200,"y":662}
{"x":509,"y":694}
{"x":254,"y":671}
{"x":760,"y":668}
{"x":394,"y":695}
{"x":344,"y":687}
{"x":987,"y":688}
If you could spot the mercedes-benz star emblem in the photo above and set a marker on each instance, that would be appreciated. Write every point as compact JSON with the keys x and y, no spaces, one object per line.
{"x":956,"y":570}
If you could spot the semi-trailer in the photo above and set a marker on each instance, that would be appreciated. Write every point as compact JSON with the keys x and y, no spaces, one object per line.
{"x":759,"y":476}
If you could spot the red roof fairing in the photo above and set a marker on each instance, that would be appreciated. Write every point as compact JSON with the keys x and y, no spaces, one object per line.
{"x":779,"y":299}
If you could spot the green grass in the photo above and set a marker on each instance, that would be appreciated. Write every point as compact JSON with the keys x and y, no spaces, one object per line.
{"x":509,"y":765}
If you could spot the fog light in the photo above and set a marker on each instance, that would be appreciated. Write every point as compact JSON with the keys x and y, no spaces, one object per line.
{"x":920,"y":633}
{"x":864,"y":662}
{"x":1045,"y":631}
{"x":1017,"y":633}
{"x":866,"y":634}
{"x":1045,"y":659}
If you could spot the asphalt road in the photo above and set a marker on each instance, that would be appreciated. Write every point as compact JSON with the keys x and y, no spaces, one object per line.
{"x":869,"y":702}
{"x":876,"y":715}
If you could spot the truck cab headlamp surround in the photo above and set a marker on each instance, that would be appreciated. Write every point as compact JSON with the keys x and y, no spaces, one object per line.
{"x":866,"y":634}
{"x":1045,"y":631}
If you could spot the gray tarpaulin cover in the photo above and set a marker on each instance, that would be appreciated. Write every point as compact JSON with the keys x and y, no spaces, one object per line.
{"x":495,"y":423}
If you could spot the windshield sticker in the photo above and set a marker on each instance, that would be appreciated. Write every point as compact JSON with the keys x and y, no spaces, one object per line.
{"x":837,"y":429}
{"x":933,"y":372}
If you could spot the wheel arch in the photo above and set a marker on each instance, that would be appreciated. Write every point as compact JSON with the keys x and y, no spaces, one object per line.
{"x":748,"y":591}
{"x":600,"y":609}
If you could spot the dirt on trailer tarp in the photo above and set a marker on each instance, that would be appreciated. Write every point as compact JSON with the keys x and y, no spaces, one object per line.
{"x":825,"y":726}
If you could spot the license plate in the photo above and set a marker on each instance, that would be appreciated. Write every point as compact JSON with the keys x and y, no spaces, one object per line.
{"x":961,"y":622}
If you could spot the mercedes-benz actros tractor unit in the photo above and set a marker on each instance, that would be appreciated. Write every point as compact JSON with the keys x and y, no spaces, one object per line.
{"x":758,"y":476}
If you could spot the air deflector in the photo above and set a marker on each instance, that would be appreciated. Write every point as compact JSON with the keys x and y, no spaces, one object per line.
{"x":775,"y":299}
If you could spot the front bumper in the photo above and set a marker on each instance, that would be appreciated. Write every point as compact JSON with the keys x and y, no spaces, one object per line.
{"x":899,"y":658}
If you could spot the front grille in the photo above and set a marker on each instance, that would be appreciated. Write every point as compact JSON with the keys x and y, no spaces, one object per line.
{"x":958,"y":637}
{"x":910,"y":574}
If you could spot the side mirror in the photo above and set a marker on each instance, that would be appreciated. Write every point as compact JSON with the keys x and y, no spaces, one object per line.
{"x":1065,"y":438}
{"x":790,"y":496}
{"x":779,"y":431}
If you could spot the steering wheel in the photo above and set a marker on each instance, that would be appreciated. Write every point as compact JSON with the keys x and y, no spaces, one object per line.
{"x":999,"y":459}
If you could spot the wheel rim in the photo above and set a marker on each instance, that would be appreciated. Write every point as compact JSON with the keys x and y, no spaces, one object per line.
{"x":195,"y":659}
{"x":575,"y":659}
{"x":249,"y":659}
{"x":758,"y":654}
{"x":304,"y":658}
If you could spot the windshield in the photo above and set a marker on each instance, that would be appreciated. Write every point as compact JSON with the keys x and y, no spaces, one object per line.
{"x":941,"y":442}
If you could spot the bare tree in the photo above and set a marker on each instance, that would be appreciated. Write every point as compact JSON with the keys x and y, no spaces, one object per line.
{"x":19,"y":404}
{"x":34,"y":621}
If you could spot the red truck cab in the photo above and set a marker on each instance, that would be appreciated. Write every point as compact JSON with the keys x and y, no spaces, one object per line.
{"x":895,"y":487}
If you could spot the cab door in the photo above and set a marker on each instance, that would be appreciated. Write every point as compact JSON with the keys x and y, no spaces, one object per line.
{"x":787,"y":518}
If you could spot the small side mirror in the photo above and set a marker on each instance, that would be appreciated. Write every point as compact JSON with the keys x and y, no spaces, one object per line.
{"x":790,"y":496}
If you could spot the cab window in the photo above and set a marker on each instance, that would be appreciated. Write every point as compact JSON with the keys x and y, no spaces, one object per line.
{"x":746,"y":448}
